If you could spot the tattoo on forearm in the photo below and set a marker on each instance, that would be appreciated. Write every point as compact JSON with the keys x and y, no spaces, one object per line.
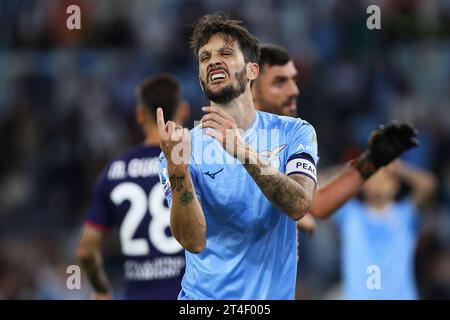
{"x":176,"y":183}
{"x":186,"y":198}
{"x":279,"y":189}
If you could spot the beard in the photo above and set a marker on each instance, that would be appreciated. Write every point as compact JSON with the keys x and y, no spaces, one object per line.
{"x":229,"y":92}
{"x":281,"y":109}
{"x":287,"y":111}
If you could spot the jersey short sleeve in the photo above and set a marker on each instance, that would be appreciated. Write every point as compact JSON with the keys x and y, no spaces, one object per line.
{"x":99,"y":214}
{"x":302,"y":157}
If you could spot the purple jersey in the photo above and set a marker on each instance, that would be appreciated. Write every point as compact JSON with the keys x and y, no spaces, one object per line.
{"x":128,"y":195}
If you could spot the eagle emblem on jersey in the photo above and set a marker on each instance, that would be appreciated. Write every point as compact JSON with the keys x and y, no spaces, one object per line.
{"x":272,"y":156}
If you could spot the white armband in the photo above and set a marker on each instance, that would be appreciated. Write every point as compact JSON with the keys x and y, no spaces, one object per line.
{"x":301,"y":165}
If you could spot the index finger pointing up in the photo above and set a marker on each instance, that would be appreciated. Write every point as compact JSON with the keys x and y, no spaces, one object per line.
{"x":160,"y":121}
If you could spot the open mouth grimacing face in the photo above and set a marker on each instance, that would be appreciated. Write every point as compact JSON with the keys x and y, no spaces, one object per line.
{"x":217,"y":76}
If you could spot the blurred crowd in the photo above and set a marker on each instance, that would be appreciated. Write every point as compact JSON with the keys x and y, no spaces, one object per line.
{"x":67,"y":106}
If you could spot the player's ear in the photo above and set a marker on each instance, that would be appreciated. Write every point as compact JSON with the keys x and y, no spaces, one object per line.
{"x":252,"y":71}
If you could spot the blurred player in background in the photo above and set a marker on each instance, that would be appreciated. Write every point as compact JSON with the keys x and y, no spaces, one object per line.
{"x":236,"y":214}
{"x":128,"y":195}
{"x":276,"y":91}
{"x":379,"y":234}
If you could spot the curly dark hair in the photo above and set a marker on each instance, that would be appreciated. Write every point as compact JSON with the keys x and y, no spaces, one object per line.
{"x":212,"y":24}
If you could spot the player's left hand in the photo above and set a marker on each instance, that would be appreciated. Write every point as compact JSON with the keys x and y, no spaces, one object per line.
{"x":224,"y":129}
{"x":386,"y":144}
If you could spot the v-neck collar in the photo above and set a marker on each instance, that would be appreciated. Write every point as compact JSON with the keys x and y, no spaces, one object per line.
{"x":252,"y":127}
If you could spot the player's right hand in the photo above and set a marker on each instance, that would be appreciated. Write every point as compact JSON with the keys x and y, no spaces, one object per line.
{"x":175,"y":142}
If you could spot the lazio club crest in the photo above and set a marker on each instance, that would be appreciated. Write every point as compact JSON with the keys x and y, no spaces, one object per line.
{"x":272,"y":156}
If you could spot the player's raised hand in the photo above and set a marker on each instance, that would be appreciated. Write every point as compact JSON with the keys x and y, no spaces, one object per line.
{"x":224,"y":129}
{"x":386,"y":144}
{"x":175,"y":142}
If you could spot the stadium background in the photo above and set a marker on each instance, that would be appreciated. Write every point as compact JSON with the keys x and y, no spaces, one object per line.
{"x":67,"y":106}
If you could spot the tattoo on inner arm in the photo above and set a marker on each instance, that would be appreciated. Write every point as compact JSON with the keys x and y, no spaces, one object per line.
{"x":186,"y":198}
{"x":280,"y":189}
{"x":176,"y":183}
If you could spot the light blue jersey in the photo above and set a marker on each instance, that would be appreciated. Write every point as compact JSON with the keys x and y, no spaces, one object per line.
{"x":377,"y":250}
{"x":251,"y":245}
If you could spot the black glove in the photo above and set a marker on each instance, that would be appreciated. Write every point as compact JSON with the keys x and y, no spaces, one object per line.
{"x":386,"y":144}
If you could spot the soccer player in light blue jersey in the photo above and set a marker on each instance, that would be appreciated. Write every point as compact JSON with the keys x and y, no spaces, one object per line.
{"x":364,"y":238}
{"x":379,"y":233}
{"x":236,"y":183}
{"x":276,"y":91}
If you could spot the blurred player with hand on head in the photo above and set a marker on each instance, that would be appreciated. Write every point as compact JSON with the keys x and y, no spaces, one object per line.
{"x":379,"y":231}
{"x":276,"y":91}
{"x":235,"y":195}
{"x":128,"y":195}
